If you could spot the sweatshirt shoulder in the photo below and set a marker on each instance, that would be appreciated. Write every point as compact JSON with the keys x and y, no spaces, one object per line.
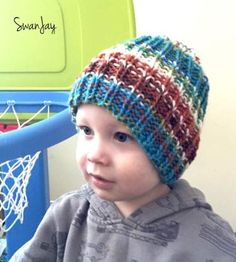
{"x":218,"y":232}
{"x":210,"y":233}
{"x":205,"y":230}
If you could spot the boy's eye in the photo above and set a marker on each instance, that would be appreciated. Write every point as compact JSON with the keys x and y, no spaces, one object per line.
{"x":86,"y":130}
{"x":121,"y":137}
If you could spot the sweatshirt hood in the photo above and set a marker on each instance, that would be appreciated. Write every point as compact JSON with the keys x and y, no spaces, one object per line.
{"x":182,"y":197}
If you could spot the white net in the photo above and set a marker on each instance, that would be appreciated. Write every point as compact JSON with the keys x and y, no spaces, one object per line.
{"x":10,"y":107}
{"x":15,"y":175}
{"x":14,"y":178}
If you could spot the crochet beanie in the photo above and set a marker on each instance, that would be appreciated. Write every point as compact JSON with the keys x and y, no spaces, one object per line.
{"x":158,"y":89}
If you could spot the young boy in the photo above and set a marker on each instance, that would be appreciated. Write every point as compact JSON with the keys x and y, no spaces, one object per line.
{"x":138,"y":108}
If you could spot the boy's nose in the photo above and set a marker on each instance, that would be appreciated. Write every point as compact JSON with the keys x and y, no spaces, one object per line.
{"x":97,"y":153}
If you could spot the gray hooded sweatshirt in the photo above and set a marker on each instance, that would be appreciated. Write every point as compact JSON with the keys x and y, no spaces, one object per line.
{"x":181,"y":227}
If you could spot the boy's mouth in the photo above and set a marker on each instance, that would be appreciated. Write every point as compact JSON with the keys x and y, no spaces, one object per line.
{"x":100,"y":182}
{"x":100,"y":178}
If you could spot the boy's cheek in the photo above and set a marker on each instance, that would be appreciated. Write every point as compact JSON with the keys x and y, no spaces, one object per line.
{"x":81,"y":164}
{"x":80,"y":156}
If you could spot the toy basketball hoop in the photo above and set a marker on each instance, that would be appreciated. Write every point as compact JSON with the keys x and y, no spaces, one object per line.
{"x":42,"y":53}
{"x":16,"y":165}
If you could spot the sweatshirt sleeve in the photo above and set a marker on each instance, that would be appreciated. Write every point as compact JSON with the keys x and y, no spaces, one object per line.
{"x":49,"y":240}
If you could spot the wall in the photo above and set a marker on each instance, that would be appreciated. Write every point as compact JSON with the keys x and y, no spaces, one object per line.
{"x":207,"y":26}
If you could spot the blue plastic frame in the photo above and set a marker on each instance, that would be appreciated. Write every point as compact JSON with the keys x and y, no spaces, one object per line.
{"x":53,"y":130}
{"x":29,"y":140}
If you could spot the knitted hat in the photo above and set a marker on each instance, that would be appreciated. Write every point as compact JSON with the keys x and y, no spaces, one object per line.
{"x":158,"y":89}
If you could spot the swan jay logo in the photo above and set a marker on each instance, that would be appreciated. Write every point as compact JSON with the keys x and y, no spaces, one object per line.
{"x":40,"y":26}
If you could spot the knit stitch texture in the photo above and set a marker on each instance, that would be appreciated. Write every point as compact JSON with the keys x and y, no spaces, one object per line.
{"x":158,"y":89}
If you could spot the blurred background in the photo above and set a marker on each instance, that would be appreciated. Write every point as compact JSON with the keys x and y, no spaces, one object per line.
{"x":208,"y":26}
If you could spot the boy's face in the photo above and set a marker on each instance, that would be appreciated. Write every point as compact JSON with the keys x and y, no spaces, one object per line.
{"x":111,"y":160}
